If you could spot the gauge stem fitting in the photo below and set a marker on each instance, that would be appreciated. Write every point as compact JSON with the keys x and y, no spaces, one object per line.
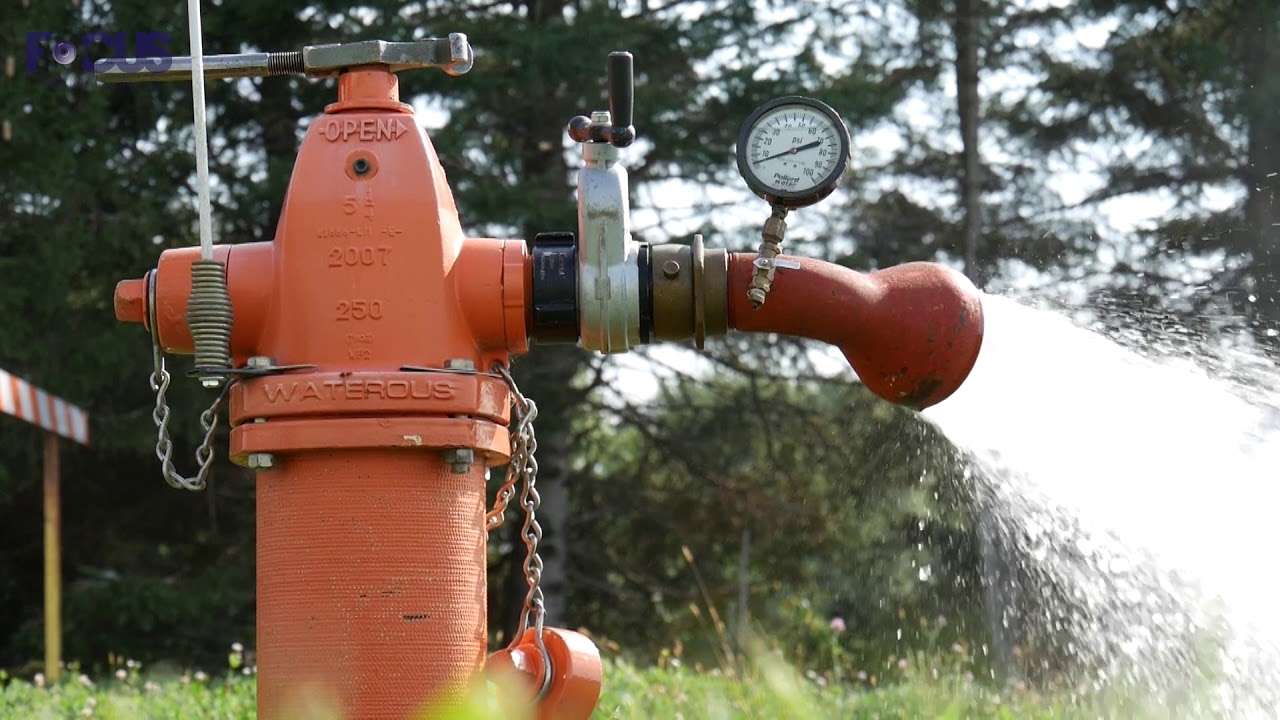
{"x":775,"y":229}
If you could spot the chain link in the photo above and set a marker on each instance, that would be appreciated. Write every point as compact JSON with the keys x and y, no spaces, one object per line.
{"x":524,"y":468}
{"x":521,"y":437}
{"x":164,"y":445}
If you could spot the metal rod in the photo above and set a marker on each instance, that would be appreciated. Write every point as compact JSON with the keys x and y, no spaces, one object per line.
{"x":123,"y":70}
{"x":52,"y":562}
{"x":202,"y":136}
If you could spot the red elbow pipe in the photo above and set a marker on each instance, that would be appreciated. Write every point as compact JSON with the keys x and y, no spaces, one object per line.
{"x":911,"y":332}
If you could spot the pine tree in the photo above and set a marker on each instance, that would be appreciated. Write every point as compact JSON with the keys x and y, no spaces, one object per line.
{"x":1177,"y":103}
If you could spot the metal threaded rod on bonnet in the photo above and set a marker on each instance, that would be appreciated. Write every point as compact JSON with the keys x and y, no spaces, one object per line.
{"x":285,"y":63}
{"x":209,"y":318}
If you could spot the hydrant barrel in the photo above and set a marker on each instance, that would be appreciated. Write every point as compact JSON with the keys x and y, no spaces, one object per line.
{"x":371,"y":536}
{"x":371,"y":582}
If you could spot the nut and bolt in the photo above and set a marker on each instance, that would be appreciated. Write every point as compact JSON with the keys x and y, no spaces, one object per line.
{"x":459,"y":364}
{"x":260,"y":361}
{"x":211,"y":382}
{"x":460,"y":459}
{"x":260,"y":461}
{"x":601,"y":117}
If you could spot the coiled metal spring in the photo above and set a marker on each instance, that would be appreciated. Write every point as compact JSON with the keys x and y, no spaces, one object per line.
{"x":209,"y":318}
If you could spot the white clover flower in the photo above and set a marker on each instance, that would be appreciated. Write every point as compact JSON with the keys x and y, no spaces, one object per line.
{"x":122,"y":674}
{"x":38,"y":680}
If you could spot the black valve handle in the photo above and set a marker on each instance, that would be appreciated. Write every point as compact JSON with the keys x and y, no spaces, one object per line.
{"x":622,"y":98}
{"x":620,"y":132}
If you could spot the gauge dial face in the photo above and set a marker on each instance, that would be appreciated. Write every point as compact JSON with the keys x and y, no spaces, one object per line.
{"x":793,"y":150}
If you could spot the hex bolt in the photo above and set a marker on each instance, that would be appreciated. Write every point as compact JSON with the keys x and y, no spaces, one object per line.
{"x":260,"y":461}
{"x":601,"y":117}
{"x":671,"y":269}
{"x":459,"y":364}
{"x":460,"y":459}
{"x":260,"y":361}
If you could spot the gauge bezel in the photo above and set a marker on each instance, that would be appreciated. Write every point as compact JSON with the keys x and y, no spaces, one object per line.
{"x":794,"y":198}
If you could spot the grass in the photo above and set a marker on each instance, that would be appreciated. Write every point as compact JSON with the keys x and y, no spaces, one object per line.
{"x":771,"y":691}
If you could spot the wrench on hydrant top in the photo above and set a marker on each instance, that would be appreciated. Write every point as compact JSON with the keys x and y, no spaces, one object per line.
{"x":360,"y":341}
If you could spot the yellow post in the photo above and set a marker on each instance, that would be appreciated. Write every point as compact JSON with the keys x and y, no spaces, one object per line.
{"x":52,"y":562}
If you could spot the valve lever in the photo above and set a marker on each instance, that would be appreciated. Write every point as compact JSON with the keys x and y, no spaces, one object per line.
{"x":615,"y":127}
{"x":452,"y":54}
{"x":622,"y":96}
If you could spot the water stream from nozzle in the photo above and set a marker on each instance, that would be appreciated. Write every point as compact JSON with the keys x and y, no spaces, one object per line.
{"x":1138,"y":487}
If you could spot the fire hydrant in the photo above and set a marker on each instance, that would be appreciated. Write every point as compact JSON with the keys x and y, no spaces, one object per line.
{"x":365,"y":360}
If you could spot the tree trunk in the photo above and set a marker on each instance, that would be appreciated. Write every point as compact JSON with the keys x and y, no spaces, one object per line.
{"x":996,"y":575}
{"x":546,"y":374}
{"x":1262,"y":173}
{"x":966,"y":43}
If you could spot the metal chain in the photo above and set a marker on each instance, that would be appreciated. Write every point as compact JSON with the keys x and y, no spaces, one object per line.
{"x":164,"y":445}
{"x":524,"y":467}
{"x":521,"y":436}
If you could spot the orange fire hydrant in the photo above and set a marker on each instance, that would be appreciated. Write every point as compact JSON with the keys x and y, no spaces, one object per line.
{"x":369,"y":345}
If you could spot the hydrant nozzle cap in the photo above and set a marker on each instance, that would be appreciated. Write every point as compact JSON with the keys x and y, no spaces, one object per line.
{"x":131,"y":301}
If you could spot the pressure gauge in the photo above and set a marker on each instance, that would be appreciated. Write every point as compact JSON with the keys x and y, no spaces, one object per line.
{"x":793,"y":150}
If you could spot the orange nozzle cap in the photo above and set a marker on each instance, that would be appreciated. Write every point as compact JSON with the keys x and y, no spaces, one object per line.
{"x":911,"y":332}
{"x":131,"y":301}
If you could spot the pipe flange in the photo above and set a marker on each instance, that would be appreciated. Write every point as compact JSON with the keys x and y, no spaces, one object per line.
{"x":151,"y":304}
{"x":699,"y":295}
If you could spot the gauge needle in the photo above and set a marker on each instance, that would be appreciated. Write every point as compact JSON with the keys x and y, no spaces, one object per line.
{"x":792,"y":151}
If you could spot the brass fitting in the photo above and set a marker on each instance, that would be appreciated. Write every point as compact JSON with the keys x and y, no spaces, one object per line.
{"x":690,"y":292}
{"x":775,"y":230}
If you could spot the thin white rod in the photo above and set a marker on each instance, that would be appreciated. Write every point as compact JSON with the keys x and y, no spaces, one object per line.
{"x":202,"y":136}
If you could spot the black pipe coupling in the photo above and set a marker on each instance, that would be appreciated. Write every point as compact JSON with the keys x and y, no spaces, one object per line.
{"x":683,"y":291}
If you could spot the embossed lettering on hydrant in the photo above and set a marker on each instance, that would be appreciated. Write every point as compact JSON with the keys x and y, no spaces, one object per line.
{"x":417,"y":389}
{"x":365,"y":130}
